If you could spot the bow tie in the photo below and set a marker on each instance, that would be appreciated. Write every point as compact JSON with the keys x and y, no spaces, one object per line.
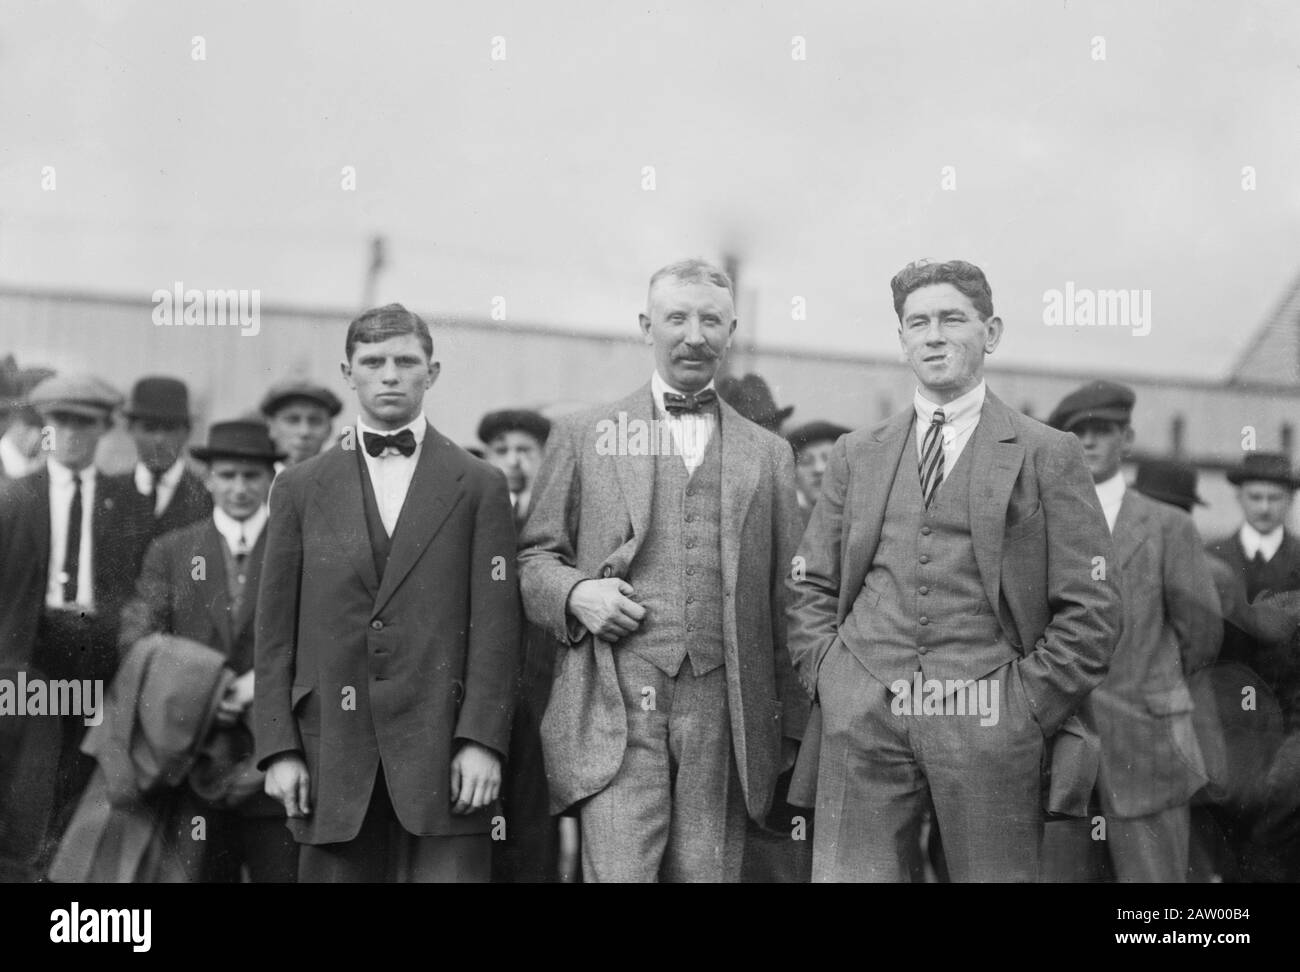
{"x":675,"y":404}
{"x":403,"y":442}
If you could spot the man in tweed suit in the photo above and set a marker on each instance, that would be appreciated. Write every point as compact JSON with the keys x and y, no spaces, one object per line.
{"x":662,"y":529}
{"x":958,"y":543}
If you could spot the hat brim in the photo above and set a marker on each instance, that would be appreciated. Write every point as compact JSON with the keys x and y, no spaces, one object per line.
{"x":1239,"y":476}
{"x":145,"y":415}
{"x":1098,"y":414}
{"x":1178,"y":499}
{"x":205,"y":455}
{"x":85,"y":409}
{"x":273,"y":405}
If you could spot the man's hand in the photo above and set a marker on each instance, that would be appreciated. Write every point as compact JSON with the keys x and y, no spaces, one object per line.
{"x":238,"y":697}
{"x":605,"y":608}
{"x":475,"y":778}
{"x":288,"y":781}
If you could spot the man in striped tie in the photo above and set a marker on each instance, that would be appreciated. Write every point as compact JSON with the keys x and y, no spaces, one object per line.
{"x":953,"y":602}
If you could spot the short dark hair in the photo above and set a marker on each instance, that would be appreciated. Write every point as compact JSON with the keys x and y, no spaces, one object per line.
{"x":966,"y":277}
{"x":381,"y":323}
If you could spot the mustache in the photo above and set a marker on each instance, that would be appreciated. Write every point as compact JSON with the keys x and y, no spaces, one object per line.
{"x":703,"y":356}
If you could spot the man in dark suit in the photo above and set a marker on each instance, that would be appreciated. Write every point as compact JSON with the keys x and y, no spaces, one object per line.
{"x":200,"y":582}
{"x":1260,"y":563}
{"x":388,"y":633}
{"x":158,"y":421}
{"x":953,"y":602}
{"x":661,"y":530}
{"x":515,"y":440}
{"x":66,"y":563}
{"x":1151,"y":762}
{"x":812,"y":443}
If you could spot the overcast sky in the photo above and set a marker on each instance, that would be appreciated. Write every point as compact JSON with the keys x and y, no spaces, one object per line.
{"x":523,"y":178}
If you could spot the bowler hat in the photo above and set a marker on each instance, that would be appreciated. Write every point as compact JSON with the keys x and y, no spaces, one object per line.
{"x":819,"y":431}
{"x":1265,"y":467}
{"x":283,"y":391}
{"x":238,"y":439}
{"x":159,"y":399}
{"x":1168,"y":482}
{"x":751,"y":397}
{"x":76,"y":394}
{"x":514,"y":420}
{"x":1105,"y":400}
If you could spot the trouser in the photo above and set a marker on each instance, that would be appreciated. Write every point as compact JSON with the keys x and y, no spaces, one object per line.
{"x":1152,"y":849}
{"x":674,"y":810}
{"x":263,"y":845}
{"x":384,"y":851}
{"x":781,"y":851}
{"x":880,"y":771}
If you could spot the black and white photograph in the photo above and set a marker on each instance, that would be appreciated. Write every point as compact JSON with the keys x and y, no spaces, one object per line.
{"x":714,"y":443}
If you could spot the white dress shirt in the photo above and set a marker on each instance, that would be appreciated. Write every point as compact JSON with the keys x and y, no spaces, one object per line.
{"x":60,"y":505}
{"x":390,"y":471}
{"x":1252,"y":541}
{"x":960,"y":416}
{"x":232,"y":530}
{"x":1111,"y":494}
{"x":691,"y":431}
{"x":166,"y":483}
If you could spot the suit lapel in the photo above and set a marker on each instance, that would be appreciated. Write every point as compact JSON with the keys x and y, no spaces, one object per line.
{"x":740,"y":457}
{"x":636,"y":473}
{"x":39,"y":483}
{"x":338,"y":495}
{"x":998,"y":459}
{"x":218,"y":600}
{"x":876,"y":460}
{"x":1130,"y":528}
{"x":434,"y":490}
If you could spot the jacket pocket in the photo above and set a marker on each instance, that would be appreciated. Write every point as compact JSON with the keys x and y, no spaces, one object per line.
{"x":1034,"y":523}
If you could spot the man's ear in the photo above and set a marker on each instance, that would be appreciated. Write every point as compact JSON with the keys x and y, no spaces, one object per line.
{"x":645,"y":328}
{"x":345,"y":369}
{"x":994,"y":325}
{"x":435,"y":369}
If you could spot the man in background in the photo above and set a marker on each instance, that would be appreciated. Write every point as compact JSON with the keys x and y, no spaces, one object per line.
{"x":515,"y":439}
{"x":300,"y":417}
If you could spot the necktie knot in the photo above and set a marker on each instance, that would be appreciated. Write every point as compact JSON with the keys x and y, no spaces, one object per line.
{"x":938,"y":417}
{"x":676,"y":404}
{"x":403,"y":442}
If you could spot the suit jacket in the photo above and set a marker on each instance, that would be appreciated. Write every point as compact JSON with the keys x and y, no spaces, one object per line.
{"x":190,"y":503}
{"x":25,"y":563}
{"x":589,"y":517}
{"x":1150,"y":757}
{"x":352,"y":671}
{"x":1037,"y":529}
{"x":1243,"y":640}
{"x":170,"y":599}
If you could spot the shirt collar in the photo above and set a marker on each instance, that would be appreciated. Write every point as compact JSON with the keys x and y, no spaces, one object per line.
{"x":230,"y":528}
{"x":61,"y":475}
{"x":658,"y":386}
{"x":144,"y":478}
{"x":1111,"y":491}
{"x":965,"y":408}
{"x":417,"y":425}
{"x":1253,"y":541}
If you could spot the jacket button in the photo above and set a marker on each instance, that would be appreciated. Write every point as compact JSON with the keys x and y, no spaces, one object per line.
{"x":606,"y":571}
{"x":924,"y":590}
{"x":925,"y":531}
{"x":377,"y":625}
{"x":925,"y":558}
{"x":924,"y":619}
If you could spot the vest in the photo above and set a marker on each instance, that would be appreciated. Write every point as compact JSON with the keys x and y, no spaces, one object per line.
{"x":381,"y":544}
{"x":677,"y":571}
{"x":923,"y":604}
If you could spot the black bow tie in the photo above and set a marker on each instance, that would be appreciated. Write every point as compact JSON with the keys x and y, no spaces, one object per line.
{"x":403,"y":442}
{"x":675,"y":404}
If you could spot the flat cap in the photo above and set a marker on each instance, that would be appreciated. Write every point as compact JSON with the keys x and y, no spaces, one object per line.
{"x":283,"y":391}
{"x":514,"y":420}
{"x":1105,"y":400}
{"x":819,"y":431}
{"x":1264,"y":467}
{"x":77,"y":394}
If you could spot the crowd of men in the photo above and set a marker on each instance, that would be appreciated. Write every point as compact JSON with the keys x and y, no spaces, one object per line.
{"x":654,"y":639}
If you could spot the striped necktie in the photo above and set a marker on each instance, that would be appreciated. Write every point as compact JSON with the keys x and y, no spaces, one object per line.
{"x":931,"y":465}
